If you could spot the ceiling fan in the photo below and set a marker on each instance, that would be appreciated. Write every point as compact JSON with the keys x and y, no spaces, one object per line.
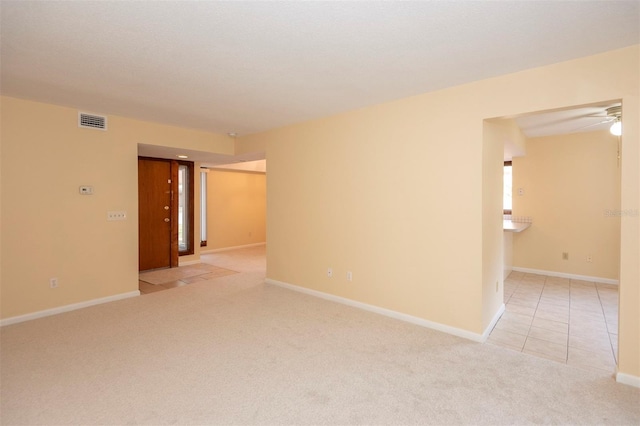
{"x":614,"y":116}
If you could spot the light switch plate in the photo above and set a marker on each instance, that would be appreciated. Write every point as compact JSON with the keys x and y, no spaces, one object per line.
{"x":113,"y":215}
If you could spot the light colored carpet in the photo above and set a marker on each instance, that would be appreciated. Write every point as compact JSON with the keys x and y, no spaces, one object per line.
{"x":243,"y":352}
{"x":161,"y":276}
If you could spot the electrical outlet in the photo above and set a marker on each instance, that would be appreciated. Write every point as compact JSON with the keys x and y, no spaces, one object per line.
{"x":349,"y":276}
{"x":329,"y":272}
{"x":589,"y":258}
{"x":53,"y":283}
{"x":86,"y":190}
{"x":565,"y":256}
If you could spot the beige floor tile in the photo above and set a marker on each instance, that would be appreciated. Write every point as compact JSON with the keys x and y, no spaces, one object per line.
{"x":547,"y":348}
{"x":613,"y":288}
{"x":517,"y":317}
{"x":548,"y":335}
{"x":558,"y":281}
{"x":600,"y":344}
{"x":534,"y":277}
{"x":507,"y":339}
{"x":507,"y":293}
{"x":585,"y":299}
{"x":526,"y":294}
{"x":556,"y":326}
{"x":609,"y":300}
{"x":586,"y":306}
{"x":592,"y":359}
{"x":220,"y":272}
{"x":516,"y":275}
{"x":546,"y":356}
{"x":614,"y":345}
{"x":554,"y":309}
{"x":531,"y":284}
{"x":581,"y":283}
{"x":588,"y":324}
{"x":528,"y":302}
{"x":513,"y":326}
{"x":608,"y":295}
{"x":191,"y":280}
{"x":555,"y":298}
{"x":557,"y":290}
{"x":174,"y":284}
{"x":146,"y":288}
{"x":583,"y":290}
{"x":609,"y":305}
{"x":587,"y":316}
{"x":587,"y":309}
{"x":552,"y":316}
{"x":519,"y":309}
{"x":587,"y":333}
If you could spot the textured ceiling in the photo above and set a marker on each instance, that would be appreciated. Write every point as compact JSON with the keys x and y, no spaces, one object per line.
{"x":250,"y":66}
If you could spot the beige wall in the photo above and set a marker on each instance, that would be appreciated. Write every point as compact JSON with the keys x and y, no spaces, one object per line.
{"x":569,"y":182}
{"x":48,"y":228}
{"x":236,"y":208}
{"x":395,"y":193}
{"x":507,"y":246}
{"x":496,"y":134}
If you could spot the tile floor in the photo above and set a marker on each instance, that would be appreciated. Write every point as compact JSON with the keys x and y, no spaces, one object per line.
{"x":569,"y":321}
{"x":165,"y":279}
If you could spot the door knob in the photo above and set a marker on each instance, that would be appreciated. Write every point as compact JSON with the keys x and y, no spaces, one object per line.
{"x":166,"y":207}
{"x":166,"y":219}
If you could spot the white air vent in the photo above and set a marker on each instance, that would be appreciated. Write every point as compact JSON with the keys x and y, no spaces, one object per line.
{"x":92,"y":121}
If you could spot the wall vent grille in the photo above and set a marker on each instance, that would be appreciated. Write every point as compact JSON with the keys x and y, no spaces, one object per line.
{"x":92,"y":121}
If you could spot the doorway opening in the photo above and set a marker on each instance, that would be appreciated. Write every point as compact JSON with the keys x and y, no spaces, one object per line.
{"x":561,"y":274}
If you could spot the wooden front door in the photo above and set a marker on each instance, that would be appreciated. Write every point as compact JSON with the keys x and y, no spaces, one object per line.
{"x":155,"y":215}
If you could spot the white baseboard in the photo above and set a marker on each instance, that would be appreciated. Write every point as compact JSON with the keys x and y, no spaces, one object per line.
{"x":382,"y":311}
{"x":67,"y":308}
{"x":231,"y":248}
{"x":496,"y":317}
{"x":564,"y":275}
{"x":628,"y":379}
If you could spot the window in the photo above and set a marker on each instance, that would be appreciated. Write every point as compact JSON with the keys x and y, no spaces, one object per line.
{"x":185,"y":208}
{"x":507,"y":192}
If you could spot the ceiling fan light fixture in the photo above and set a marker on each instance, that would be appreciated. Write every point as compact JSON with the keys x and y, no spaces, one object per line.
{"x":616,"y":128}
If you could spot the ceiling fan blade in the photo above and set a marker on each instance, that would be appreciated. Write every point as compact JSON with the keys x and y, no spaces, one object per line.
{"x":596,"y":124}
